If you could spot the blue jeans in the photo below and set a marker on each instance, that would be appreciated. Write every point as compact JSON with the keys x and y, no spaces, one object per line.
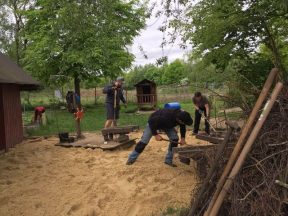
{"x":147,"y":135}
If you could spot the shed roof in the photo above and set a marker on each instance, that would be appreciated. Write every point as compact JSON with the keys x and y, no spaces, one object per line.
{"x":11,"y":73}
{"x":145,"y":82}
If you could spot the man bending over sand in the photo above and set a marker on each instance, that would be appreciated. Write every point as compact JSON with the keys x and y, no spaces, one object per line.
{"x":166,"y":120}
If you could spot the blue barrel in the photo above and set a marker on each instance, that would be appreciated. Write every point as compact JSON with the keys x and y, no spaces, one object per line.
{"x":172,"y":105}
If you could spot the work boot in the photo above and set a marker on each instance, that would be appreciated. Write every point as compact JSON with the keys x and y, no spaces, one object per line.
{"x":132,"y":158}
{"x":130,"y":161}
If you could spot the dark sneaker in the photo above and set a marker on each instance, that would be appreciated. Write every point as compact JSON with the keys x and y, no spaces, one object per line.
{"x":110,"y":136}
{"x":106,"y":138}
{"x":170,"y":164}
{"x":130,"y":161}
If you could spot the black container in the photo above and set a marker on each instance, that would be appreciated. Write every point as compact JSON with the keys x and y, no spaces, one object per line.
{"x":64,"y":137}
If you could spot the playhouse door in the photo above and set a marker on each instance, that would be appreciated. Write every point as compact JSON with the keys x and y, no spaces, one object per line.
{"x":147,"y":93}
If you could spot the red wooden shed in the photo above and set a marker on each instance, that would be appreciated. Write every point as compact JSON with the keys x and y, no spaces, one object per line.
{"x":12,"y":80}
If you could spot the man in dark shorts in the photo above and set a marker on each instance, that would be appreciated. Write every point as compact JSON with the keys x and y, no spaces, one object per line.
{"x":202,"y":107}
{"x":114,"y":93}
{"x":166,"y":120}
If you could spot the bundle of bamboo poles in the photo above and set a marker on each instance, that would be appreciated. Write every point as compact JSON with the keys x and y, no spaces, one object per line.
{"x":233,"y":185}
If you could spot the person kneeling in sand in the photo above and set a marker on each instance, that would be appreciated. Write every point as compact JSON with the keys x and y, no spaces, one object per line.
{"x":166,"y":120}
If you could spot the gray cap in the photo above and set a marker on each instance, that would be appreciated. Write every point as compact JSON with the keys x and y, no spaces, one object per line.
{"x":120,"y":79}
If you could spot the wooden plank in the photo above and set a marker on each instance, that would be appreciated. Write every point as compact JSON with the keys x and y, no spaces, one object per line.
{"x":68,"y":145}
{"x":111,"y":145}
{"x":191,"y":153}
{"x":116,"y":145}
{"x":72,"y":144}
{"x":211,"y":139}
{"x":192,"y":148}
{"x":120,"y":130}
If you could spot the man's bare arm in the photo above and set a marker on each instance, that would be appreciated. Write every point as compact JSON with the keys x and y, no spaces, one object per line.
{"x":207,"y":109}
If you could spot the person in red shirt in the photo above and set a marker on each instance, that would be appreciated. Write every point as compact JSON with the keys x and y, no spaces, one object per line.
{"x":38,"y":111}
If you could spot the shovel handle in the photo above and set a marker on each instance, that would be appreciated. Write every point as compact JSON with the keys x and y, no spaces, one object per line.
{"x":171,"y":141}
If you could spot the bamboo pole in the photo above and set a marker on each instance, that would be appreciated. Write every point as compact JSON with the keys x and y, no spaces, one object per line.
{"x":244,"y":133}
{"x":241,"y":159}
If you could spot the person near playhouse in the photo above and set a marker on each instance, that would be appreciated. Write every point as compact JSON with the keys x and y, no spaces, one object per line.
{"x":165,"y":120}
{"x":202,"y":107}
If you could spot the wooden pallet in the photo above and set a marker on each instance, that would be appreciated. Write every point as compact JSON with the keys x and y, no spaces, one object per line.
{"x":193,"y":152}
{"x":111,"y":145}
{"x":120,"y":130}
{"x":211,"y":139}
{"x":115,"y":145}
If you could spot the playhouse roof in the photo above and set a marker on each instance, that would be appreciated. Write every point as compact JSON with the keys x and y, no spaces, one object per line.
{"x":11,"y":73}
{"x":145,"y":82}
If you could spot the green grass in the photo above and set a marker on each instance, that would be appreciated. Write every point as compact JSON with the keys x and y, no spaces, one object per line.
{"x":94,"y":119}
{"x":173,"y":211}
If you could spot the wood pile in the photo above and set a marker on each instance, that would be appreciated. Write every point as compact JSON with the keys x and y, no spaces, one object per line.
{"x":251,"y":177}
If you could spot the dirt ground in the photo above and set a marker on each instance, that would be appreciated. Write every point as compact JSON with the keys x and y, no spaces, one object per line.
{"x":38,"y":178}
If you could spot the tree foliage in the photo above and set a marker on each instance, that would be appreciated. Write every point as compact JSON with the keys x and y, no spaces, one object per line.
{"x":12,"y":23}
{"x":81,"y":39}
{"x":178,"y":72}
{"x":5,"y":30}
{"x":224,"y":30}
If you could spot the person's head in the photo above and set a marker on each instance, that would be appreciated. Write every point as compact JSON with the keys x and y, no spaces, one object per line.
{"x":119,"y":81}
{"x":184,"y":118}
{"x":198,"y":96}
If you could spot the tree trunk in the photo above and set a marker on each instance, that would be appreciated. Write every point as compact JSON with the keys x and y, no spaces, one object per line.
{"x":95,"y":95}
{"x":17,"y":31}
{"x":77,"y":87}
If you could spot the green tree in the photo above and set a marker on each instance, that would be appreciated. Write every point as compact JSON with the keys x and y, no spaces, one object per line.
{"x":6,"y":29}
{"x":12,"y":23}
{"x":81,"y":39}
{"x":138,"y":73}
{"x":223,"y":30}
{"x":173,"y":72}
{"x":153,"y":73}
{"x":134,"y":76}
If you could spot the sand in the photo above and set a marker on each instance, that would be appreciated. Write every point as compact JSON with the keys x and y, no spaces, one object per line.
{"x":38,"y":178}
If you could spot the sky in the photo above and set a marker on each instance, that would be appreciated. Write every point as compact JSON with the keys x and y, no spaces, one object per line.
{"x":150,"y":39}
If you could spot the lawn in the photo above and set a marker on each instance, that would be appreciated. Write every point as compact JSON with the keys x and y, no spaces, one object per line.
{"x":95,"y":116}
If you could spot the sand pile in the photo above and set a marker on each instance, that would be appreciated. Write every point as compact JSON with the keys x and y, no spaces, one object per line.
{"x":38,"y":178}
